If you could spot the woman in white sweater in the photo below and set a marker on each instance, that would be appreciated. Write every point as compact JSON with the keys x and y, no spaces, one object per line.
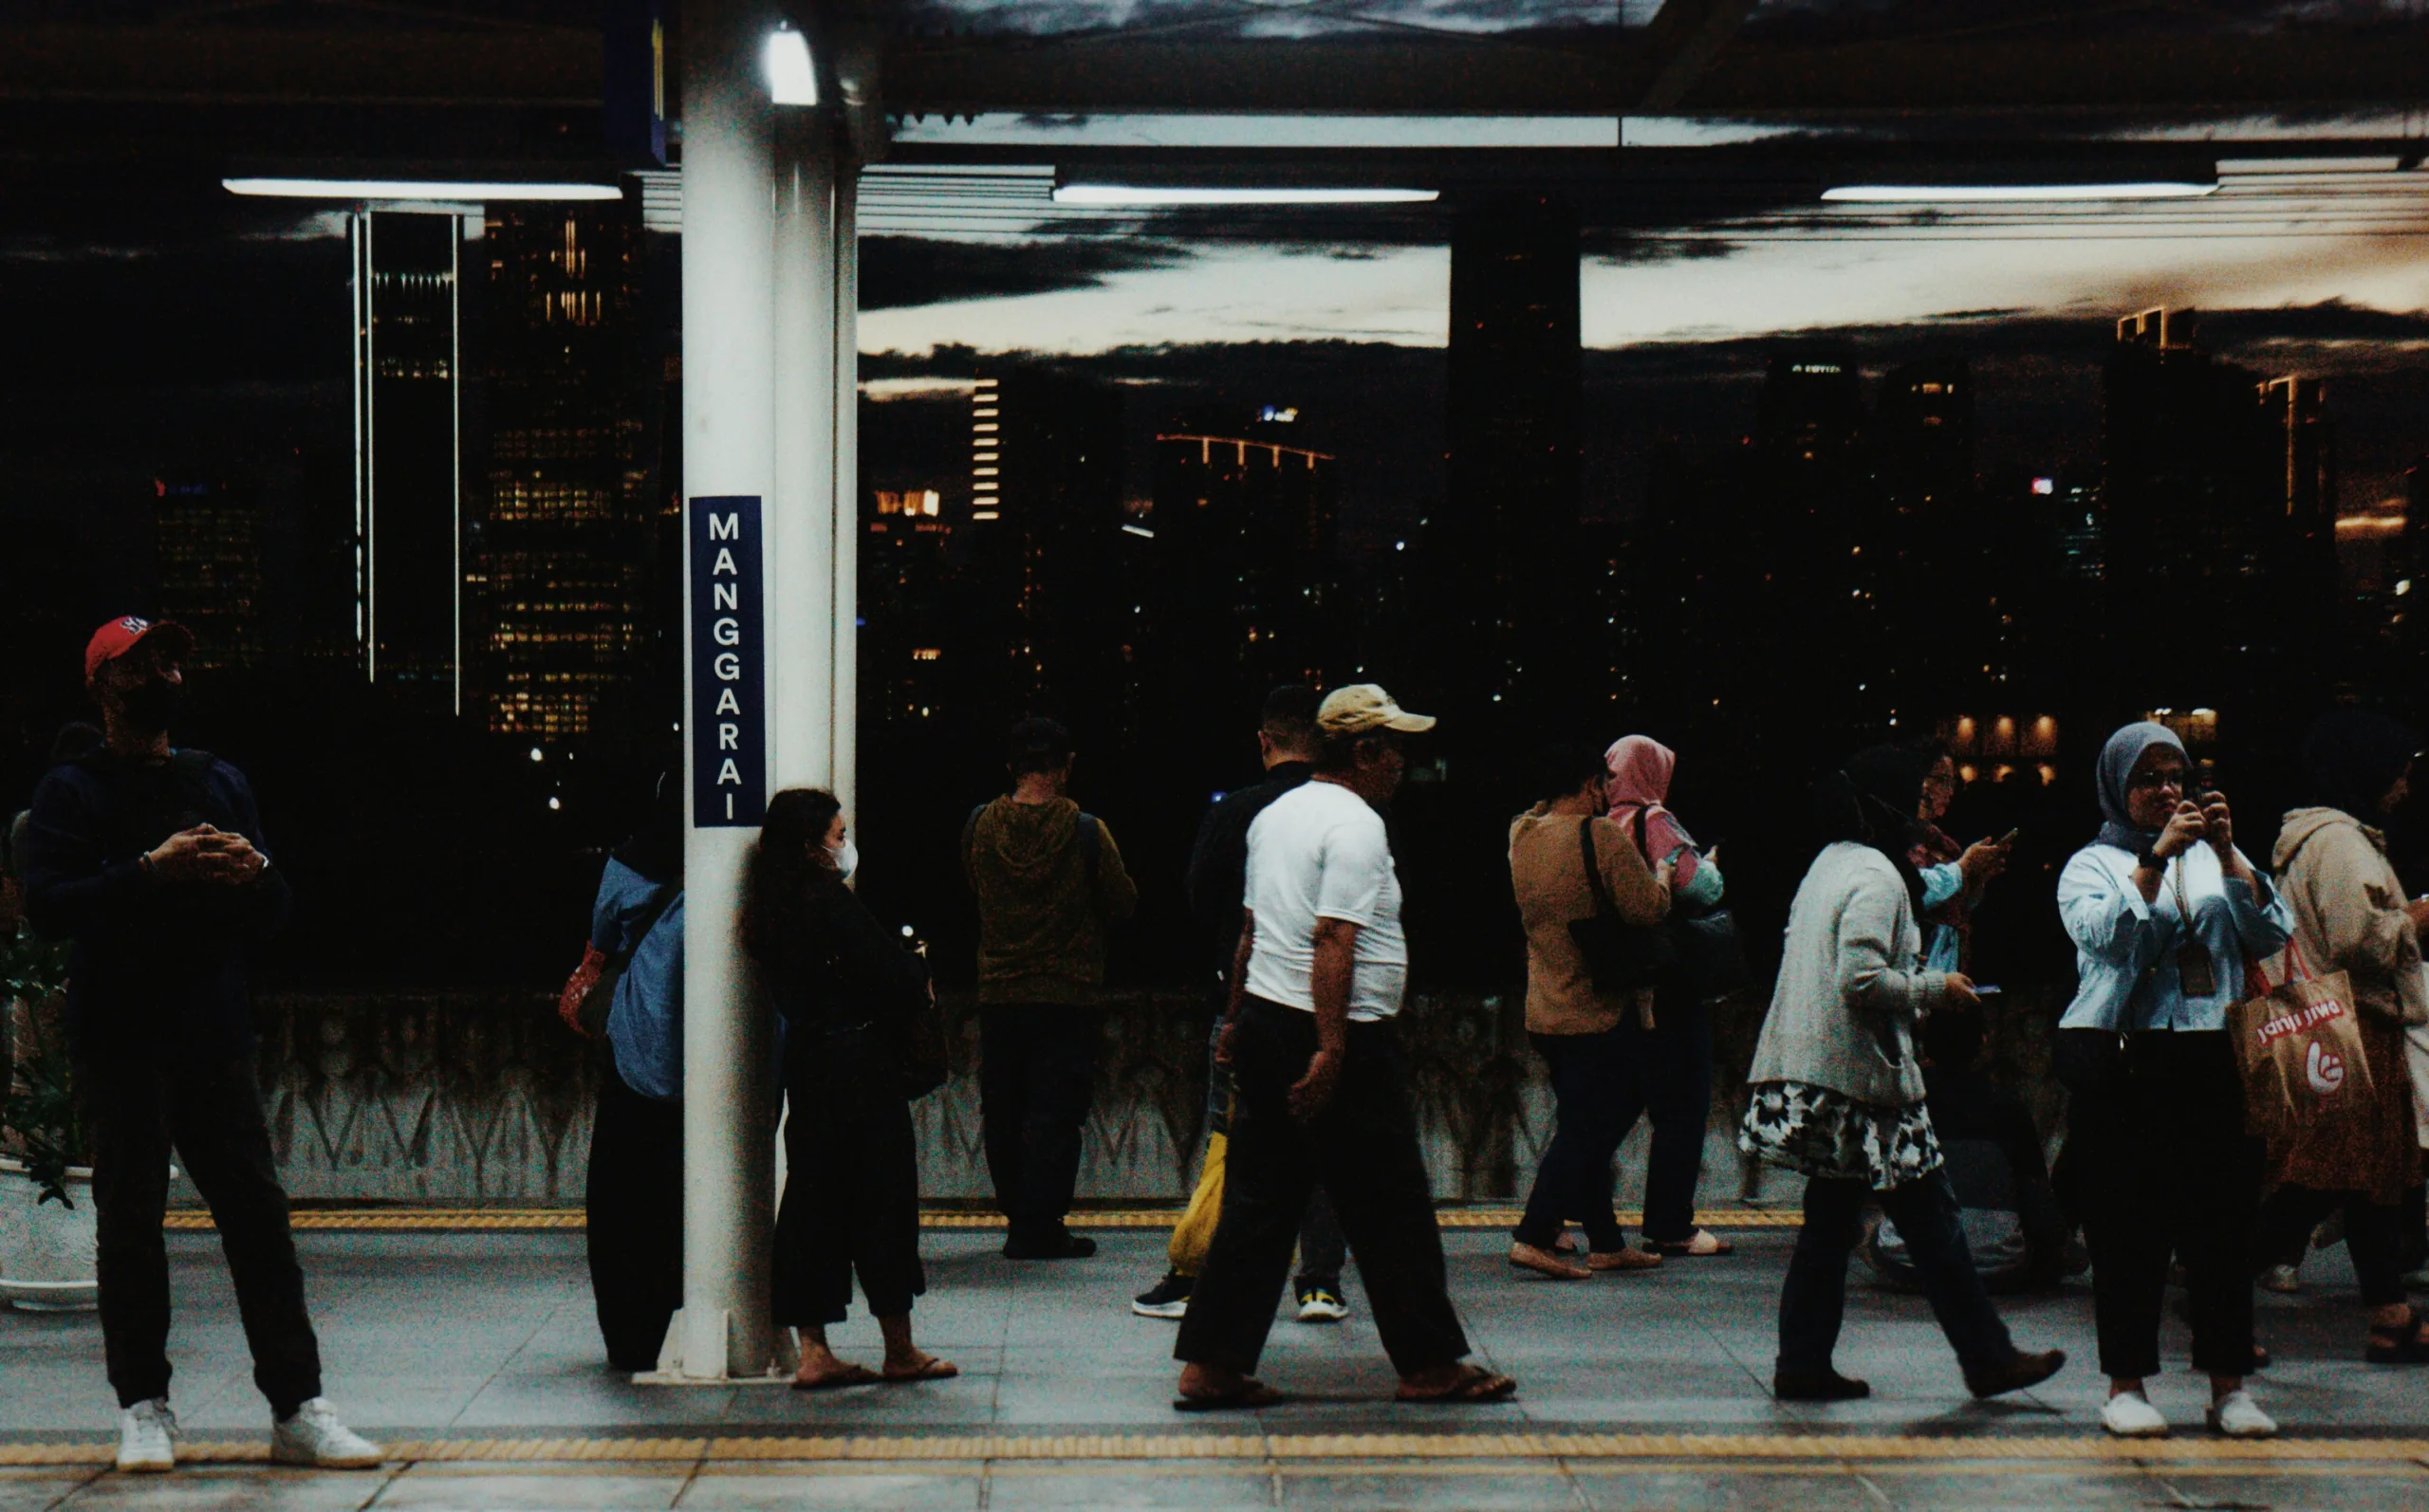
{"x":1837,"y":1091}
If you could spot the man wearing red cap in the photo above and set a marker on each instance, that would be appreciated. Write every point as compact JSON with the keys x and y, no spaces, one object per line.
{"x":151,"y":860}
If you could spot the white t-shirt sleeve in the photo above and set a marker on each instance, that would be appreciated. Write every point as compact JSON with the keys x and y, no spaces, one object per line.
{"x":1357,"y":864}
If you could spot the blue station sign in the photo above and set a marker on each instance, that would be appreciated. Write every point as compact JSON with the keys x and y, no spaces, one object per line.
{"x":728,"y":727}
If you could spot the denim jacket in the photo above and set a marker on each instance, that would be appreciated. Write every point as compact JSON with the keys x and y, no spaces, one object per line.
{"x":2125,"y":949}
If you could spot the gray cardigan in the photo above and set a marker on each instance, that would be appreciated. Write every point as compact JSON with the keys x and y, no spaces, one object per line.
{"x":1849,"y":996}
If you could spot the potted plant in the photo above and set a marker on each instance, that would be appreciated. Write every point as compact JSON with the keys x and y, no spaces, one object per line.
{"x":47,"y":1231}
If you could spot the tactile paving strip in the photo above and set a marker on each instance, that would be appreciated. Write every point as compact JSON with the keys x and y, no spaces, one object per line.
{"x":1682,"y":1447}
{"x":476,"y":1220}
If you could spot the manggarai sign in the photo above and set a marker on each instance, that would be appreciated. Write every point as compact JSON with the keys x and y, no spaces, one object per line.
{"x":729,"y":728}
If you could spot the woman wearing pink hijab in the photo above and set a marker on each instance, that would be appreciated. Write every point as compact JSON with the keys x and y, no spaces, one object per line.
{"x":1673,"y":1051}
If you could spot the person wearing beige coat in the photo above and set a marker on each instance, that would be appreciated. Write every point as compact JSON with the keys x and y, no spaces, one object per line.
{"x":1579,"y":1031}
{"x":2350,"y":915}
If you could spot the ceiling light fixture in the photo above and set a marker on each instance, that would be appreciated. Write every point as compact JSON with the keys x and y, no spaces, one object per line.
{"x":1980,"y":193}
{"x":791,"y":79}
{"x":1144,"y":194}
{"x":413,"y":189}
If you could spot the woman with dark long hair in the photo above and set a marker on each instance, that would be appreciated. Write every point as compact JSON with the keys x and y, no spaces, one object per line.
{"x":852,"y":1191}
{"x":1838,"y":1088}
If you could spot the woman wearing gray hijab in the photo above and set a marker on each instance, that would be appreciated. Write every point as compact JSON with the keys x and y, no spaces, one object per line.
{"x":2164,"y":911}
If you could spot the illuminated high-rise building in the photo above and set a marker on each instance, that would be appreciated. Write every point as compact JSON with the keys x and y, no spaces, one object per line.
{"x":1501,"y":552}
{"x":1243,"y":531}
{"x":563,"y":540}
{"x":408,"y":425}
{"x":206,"y":553}
{"x":1046,"y":507}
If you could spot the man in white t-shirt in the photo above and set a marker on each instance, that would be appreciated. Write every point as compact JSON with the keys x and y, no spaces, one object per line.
{"x":1321,"y":1086}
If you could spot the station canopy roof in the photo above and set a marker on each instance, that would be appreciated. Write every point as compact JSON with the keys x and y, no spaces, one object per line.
{"x":1649,"y":114}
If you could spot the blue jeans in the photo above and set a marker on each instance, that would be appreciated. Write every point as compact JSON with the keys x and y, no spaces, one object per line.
{"x":1814,"y":1300}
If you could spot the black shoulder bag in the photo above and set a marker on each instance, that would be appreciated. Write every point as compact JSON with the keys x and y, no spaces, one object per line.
{"x":1709,"y":955}
{"x":1619,"y":956}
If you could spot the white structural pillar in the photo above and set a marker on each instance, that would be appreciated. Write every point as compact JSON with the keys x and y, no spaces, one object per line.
{"x":802,"y":525}
{"x":847,"y":392}
{"x":730,"y":430}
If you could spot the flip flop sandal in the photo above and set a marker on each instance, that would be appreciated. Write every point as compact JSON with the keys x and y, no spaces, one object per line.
{"x":2398,"y":1343}
{"x":1477,"y":1385}
{"x":933,"y":1370}
{"x":1704,"y":1243}
{"x":1249,"y":1393}
{"x":853,"y":1375}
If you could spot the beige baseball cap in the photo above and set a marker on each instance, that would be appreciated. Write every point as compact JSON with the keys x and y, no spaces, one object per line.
{"x":1362,"y":706}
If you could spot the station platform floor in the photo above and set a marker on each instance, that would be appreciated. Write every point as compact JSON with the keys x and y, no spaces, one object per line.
{"x":475,"y":1358}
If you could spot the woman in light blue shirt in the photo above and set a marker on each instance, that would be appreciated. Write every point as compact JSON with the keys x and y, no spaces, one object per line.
{"x":2164,"y":911}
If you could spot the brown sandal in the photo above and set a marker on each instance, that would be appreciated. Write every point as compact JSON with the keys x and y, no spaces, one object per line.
{"x":1249,"y":1393}
{"x":930,"y":1369}
{"x":1544,"y":1263}
{"x":1474,"y":1384}
{"x":851,"y":1375}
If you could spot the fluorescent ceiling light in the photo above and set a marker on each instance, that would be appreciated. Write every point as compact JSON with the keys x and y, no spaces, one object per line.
{"x":2310,"y":165}
{"x":1134,"y":194}
{"x":412,"y":189}
{"x":791,"y":80}
{"x":1976,"y":194}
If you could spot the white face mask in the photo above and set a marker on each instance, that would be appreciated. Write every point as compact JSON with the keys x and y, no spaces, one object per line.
{"x":846,"y":857}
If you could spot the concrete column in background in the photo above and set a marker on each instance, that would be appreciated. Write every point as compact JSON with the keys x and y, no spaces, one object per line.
{"x":846,"y":286}
{"x":803,"y":529}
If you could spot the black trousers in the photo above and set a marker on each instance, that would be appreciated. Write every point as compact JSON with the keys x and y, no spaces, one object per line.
{"x":1037,"y":1073}
{"x":210,"y":1117}
{"x":851,"y":1183}
{"x":1593,"y":1078}
{"x":1813,"y":1300}
{"x":1322,"y":1251}
{"x":633,"y":1201}
{"x":2373,"y":1236}
{"x":2158,"y":1164}
{"x":1671,"y":1085}
{"x":1363,"y":1149}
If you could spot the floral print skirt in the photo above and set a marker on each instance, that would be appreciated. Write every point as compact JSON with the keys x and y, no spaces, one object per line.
{"x":1801,"y":1127}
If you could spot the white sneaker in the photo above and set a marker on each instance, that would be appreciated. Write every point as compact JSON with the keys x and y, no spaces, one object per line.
{"x":2282,"y":1279}
{"x":147,"y":1438}
{"x":2238,"y":1416}
{"x":314,"y":1436}
{"x":2130,"y":1415}
{"x":1320,"y":1304}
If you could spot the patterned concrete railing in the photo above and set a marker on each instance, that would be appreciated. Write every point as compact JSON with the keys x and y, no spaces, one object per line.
{"x":486,"y":1099}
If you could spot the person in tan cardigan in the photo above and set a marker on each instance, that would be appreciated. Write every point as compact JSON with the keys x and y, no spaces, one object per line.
{"x":2350,"y":915}
{"x":1575,"y":1028}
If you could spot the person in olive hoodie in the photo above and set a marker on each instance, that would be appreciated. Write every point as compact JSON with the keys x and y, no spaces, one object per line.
{"x":1049,"y":880}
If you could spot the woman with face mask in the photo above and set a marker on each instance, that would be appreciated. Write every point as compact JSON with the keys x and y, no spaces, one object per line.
{"x":845,"y":988}
{"x":2164,"y":911}
{"x":2350,"y":915}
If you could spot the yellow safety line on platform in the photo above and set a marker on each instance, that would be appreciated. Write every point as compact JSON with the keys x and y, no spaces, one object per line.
{"x":529,"y":1220}
{"x":1702,"y":1448}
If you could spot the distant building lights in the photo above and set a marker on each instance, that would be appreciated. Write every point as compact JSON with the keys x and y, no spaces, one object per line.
{"x":555,"y":804}
{"x":536,"y":754}
{"x":791,"y":79}
{"x":1140,"y":531}
{"x":2008,"y":194}
{"x":2045,"y":486}
{"x":2402,"y":586}
{"x":1142,"y":195}
{"x":413,"y":189}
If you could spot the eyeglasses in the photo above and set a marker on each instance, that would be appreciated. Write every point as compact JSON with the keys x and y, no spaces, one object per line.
{"x":2165,"y":777}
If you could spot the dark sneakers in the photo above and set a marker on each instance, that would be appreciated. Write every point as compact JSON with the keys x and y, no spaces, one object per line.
{"x":1066,"y":1246}
{"x":1168,"y":1298}
{"x":2017,"y":1374}
{"x":1817,"y":1386}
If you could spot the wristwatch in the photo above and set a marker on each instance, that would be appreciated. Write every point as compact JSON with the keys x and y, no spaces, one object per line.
{"x":2151,"y":858}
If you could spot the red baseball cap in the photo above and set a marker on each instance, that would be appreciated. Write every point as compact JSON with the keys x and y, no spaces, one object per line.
{"x":120,"y":637}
